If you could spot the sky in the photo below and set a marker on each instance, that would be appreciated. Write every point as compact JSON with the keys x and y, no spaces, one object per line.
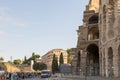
{"x":28,"y":26}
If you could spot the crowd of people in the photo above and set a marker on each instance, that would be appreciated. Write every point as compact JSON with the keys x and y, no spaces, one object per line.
{"x":18,"y":75}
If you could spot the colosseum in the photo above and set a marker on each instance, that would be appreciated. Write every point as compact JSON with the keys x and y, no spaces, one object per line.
{"x":98,"y":46}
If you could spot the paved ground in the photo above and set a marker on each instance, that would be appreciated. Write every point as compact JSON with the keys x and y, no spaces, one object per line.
{"x":74,"y":77}
{"x":47,"y":79}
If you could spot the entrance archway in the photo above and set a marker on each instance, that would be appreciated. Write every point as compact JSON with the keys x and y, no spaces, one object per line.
{"x":110,"y":62}
{"x":92,"y":60}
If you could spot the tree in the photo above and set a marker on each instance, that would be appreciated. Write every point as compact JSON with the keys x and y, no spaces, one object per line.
{"x":39,"y":66}
{"x":17,"y":61}
{"x":1,"y":58}
{"x":54,"y":64}
{"x":33,"y":54}
{"x":61,"y":60}
{"x":25,"y":60}
{"x":69,"y":59}
{"x":33,"y":57}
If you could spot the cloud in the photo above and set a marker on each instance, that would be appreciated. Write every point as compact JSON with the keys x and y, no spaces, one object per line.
{"x":6,"y":20}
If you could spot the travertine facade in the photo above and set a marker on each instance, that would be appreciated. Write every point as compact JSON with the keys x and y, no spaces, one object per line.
{"x":109,"y":25}
{"x":98,"y":47}
{"x":47,"y":58}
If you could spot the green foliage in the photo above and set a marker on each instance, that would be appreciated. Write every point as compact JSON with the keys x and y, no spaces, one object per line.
{"x":54,"y":64}
{"x":33,"y":57}
{"x":1,"y":58}
{"x":33,"y":54}
{"x":17,"y":62}
{"x":25,"y":60}
{"x":61,"y":60}
{"x":69,"y":57}
{"x":39,"y":66}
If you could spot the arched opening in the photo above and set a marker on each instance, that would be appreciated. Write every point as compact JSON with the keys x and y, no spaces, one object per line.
{"x":119,"y":60}
{"x":92,"y":60}
{"x":93,"y":33}
{"x":110,"y":62}
{"x":78,"y":61}
{"x":93,"y":19}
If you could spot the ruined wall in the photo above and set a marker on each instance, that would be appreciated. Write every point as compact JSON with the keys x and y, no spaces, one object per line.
{"x":110,"y":37}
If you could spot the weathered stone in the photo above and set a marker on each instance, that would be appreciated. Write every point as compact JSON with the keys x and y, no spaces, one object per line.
{"x":99,"y":39}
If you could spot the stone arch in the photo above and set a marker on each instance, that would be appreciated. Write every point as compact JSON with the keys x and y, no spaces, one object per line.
{"x":93,"y":33}
{"x":92,"y":60}
{"x":110,"y":62}
{"x":93,"y":19}
{"x":119,"y":60}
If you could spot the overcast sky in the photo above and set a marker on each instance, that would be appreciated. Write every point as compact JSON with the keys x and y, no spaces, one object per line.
{"x":38,"y":26}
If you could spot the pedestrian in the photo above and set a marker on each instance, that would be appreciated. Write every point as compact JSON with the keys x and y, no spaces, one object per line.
{"x":3,"y":77}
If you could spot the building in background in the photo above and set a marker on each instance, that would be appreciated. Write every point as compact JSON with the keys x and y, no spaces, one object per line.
{"x":38,"y":60}
{"x":47,"y":58}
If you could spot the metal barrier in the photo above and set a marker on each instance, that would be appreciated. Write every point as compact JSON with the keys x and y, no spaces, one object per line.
{"x":89,"y":72}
